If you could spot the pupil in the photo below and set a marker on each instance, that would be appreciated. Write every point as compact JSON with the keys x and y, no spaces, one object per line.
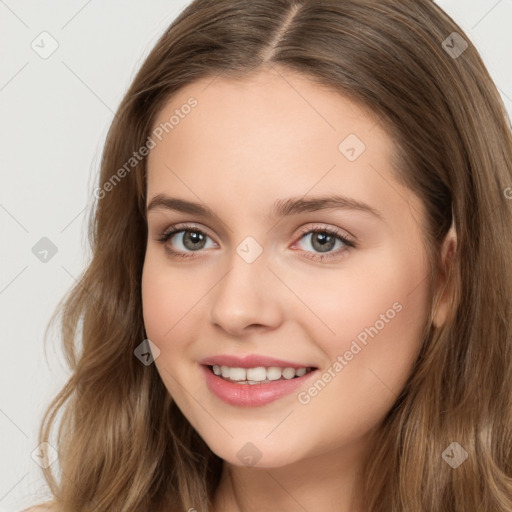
{"x":194,"y":238}
{"x":323,"y":242}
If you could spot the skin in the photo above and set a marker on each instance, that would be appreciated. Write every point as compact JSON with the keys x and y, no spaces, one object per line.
{"x":247,"y":144}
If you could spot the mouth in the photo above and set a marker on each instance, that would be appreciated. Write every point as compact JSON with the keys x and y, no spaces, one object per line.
{"x":255,"y":386}
{"x":258,"y":374}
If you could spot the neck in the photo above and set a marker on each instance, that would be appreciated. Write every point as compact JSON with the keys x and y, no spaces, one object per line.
{"x":322,"y":482}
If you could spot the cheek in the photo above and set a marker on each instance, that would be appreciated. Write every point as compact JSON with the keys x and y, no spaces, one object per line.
{"x":378,"y":313}
{"x":373,"y":314}
{"x":174,"y":315}
{"x":158,"y":300}
{"x":368,"y":296}
{"x":365,"y":374}
{"x":167,"y":297}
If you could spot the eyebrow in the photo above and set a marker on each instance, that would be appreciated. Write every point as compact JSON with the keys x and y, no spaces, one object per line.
{"x":281,"y":208}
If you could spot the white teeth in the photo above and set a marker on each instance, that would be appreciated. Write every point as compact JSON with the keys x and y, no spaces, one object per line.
{"x":273,"y":373}
{"x":257,"y":375}
{"x":289,"y":373}
{"x":237,"y":373}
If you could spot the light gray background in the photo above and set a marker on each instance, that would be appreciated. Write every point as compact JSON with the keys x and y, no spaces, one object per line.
{"x":54,"y":115}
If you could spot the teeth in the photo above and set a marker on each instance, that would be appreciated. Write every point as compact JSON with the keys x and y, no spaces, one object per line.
{"x":274,"y":373}
{"x":259,"y":374}
{"x":289,"y":373}
{"x":237,"y":373}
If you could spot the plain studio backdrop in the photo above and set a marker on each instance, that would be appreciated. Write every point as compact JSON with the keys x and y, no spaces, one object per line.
{"x":64,"y":68}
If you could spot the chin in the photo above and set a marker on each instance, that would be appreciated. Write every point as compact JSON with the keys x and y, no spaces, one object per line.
{"x":256,"y":453}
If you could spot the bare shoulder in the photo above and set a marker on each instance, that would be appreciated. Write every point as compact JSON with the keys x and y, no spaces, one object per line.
{"x":43,"y":507}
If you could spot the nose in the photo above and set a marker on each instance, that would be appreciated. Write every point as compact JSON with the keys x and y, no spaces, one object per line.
{"x":249,"y":297}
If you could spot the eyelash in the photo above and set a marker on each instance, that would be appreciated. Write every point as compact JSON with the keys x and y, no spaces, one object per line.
{"x":179,"y":228}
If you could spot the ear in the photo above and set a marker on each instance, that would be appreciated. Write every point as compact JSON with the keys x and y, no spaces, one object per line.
{"x":445,"y":289}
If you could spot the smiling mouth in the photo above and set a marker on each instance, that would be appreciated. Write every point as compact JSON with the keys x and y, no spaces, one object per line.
{"x":259,"y":374}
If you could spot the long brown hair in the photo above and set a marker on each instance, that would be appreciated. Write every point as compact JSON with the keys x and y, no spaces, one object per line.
{"x":124,"y":445}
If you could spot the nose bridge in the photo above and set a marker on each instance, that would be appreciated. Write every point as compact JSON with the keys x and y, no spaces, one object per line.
{"x":245,"y":295}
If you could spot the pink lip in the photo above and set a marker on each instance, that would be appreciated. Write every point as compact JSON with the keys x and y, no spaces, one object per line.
{"x":251,"y":361}
{"x":252,"y":395}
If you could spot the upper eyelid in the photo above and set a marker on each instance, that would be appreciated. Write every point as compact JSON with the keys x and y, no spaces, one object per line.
{"x":322,"y":227}
{"x":180,"y":226}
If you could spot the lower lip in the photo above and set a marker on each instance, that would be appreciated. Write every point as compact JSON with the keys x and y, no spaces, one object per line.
{"x":251,"y":395}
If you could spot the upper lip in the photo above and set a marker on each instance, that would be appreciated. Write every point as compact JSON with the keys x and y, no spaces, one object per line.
{"x":251,"y":361}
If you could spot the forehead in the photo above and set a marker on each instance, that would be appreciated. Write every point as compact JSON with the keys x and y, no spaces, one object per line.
{"x":276,"y":106}
{"x":275,"y":134}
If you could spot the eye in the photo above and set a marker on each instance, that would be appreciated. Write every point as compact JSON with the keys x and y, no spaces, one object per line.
{"x":186,"y":239}
{"x":182,"y":240}
{"x":324,"y":240}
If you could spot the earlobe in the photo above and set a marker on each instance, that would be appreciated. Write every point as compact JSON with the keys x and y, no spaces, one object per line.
{"x":445,"y":299}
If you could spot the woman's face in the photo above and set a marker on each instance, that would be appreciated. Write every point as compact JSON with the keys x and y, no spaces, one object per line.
{"x":278,"y":161}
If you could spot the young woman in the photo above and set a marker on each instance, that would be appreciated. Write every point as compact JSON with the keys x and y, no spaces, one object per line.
{"x":300,"y":290}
